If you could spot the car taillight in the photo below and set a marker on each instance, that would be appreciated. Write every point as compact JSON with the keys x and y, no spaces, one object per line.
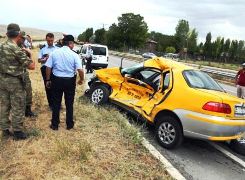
{"x":217,"y":107}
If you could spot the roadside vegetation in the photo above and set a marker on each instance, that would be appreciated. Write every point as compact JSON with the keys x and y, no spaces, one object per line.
{"x":131,"y":34}
{"x":102,"y":145}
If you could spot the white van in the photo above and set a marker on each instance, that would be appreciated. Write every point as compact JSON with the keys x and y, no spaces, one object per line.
{"x":100,"y":55}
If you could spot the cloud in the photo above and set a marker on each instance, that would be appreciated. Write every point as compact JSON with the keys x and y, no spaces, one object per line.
{"x":223,"y":18}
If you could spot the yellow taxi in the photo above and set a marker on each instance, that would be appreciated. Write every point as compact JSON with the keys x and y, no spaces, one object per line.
{"x":179,"y":100}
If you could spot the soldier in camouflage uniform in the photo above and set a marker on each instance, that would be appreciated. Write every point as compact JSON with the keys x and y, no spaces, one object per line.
{"x":28,"y":88}
{"x":13,"y":63}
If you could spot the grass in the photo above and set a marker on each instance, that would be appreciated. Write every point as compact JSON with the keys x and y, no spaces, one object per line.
{"x":214,"y":64}
{"x":102,"y":145}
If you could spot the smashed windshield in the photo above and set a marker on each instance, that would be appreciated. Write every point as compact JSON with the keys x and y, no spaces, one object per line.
{"x":133,"y":69}
{"x":198,"y":79}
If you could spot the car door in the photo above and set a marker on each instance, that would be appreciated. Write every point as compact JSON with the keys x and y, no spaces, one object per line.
{"x":136,"y":89}
{"x":160,"y":95}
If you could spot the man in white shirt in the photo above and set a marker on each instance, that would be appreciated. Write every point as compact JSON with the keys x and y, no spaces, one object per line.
{"x":64,"y":63}
{"x":44,"y":53}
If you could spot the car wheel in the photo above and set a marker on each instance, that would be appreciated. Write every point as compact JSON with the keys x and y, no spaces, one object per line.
{"x":99,"y":94}
{"x":238,"y":145}
{"x":169,"y":132}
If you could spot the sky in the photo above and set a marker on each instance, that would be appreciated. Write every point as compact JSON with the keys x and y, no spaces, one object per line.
{"x":225,"y":18}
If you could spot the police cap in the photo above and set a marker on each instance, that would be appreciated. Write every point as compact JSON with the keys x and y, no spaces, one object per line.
{"x":68,"y":38}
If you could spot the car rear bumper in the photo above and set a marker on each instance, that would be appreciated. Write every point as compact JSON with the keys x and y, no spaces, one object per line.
{"x":214,"y":128}
{"x":99,"y":65}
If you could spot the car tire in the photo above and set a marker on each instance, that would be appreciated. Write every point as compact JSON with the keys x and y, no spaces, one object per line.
{"x":169,"y":132}
{"x":99,"y":94}
{"x":238,"y":145}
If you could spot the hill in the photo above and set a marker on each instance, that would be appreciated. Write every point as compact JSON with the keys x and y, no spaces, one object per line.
{"x":36,"y":34}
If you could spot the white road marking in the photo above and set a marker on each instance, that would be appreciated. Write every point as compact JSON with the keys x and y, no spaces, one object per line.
{"x":169,"y":167}
{"x":228,"y":154}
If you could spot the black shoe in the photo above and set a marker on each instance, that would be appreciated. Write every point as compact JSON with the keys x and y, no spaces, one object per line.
{"x":19,"y":135}
{"x":29,"y":113}
{"x":55,"y":128}
{"x":69,"y":127}
{"x":6,"y":134}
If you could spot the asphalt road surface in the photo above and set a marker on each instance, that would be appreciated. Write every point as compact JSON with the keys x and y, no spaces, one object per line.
{"x":197,"y":159}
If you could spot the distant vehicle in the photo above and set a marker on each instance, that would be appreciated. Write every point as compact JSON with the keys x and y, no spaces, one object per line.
{"x":148,"y":55}
{"x":100,"y":55}
{"x":171,"y":55}
{"x":77,"y":49}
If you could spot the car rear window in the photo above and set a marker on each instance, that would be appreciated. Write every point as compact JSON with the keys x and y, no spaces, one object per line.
{"x":99,"y":50}
{"x":199,"y":79}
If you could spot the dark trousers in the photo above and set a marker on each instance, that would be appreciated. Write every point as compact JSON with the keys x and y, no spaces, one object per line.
{"x":49,"y":93}
{"x":67,"y":86}
{"x":88,"y":65}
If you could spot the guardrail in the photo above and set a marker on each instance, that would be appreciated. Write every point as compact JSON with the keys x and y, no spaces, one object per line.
{"x":218,"y":73}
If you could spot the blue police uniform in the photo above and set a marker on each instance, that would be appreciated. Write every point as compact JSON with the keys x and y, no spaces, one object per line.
{"x":64,"y":63}
{"x":46,"y":51}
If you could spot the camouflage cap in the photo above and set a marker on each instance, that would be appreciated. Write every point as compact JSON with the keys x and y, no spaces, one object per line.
{"x":13,"y":27}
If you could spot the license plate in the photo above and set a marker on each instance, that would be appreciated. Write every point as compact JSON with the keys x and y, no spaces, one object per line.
{"x":239,"y":110}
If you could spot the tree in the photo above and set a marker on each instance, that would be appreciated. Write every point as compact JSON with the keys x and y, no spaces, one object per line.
{"x":133,"y":30}
{"x":192,"y":41}
{"x":170,"y":49}
{"x":100,"y":36}
{"x":233,"y":50}
{"x":81,"y":37}
{"x":85,"y":35}
{"x":216,"y":46}
{"x":163,"y":41}
{"x":240,"y":50}
{"x":222,"y":47}
{"x":181,"y":34}
{"x":88,"y":33}
{"x":114,"y":38}
{"x":208,"y":46}
{"x":226,"y":49}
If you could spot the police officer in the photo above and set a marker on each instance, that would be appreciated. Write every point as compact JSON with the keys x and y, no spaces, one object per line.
{"x":13,"y":63}
{"x":65,"y":64}
{"x":42,"y":58}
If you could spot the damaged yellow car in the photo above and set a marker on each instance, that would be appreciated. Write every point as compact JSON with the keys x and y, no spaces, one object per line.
{"x":179,"y":100}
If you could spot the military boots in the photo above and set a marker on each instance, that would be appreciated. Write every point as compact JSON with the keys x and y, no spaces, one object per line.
{"x":19,"y":135}
{"x":29,"y":113}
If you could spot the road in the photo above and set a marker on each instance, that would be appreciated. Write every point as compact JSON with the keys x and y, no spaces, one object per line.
{"x":197,"y":159}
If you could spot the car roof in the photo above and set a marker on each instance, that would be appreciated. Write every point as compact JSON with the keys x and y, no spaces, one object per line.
{"x":96,"y":45}
{"x":162,"y":64}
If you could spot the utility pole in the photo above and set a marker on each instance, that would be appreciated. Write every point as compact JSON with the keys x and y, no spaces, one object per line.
{"x":103,"y":25}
